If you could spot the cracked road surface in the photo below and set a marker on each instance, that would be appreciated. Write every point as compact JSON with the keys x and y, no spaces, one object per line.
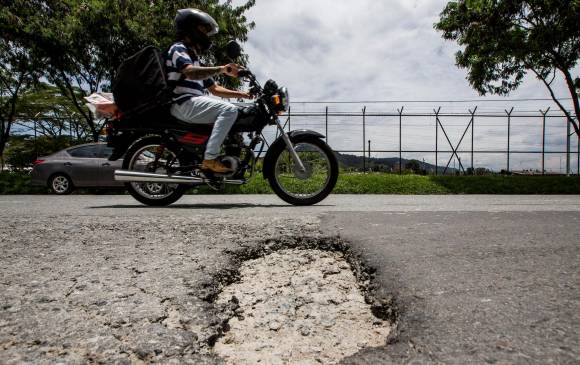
{"x":476,"y":279}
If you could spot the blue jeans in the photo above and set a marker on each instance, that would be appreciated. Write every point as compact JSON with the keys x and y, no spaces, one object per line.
{"x":206,"y":110}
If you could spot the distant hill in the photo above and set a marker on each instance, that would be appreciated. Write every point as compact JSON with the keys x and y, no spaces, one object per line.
{"x":389,"y":164}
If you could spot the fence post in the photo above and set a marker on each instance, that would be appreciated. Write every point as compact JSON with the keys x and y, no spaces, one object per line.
{"x":401,"y":139}
{"x":509,"y":114}
{"x":568,"y":148}
{"x":36,"y":135}
{"x":289,"y":117}
{"x":326,"y":124}
{"x":472,"y":137}
{"x":364,"y":139}
{"x":437,"y":140}
{"x":370,"y":155}
{"x":544,"y":140}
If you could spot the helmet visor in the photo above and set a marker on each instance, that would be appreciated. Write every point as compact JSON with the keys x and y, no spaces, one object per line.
{"x":209,"y":29}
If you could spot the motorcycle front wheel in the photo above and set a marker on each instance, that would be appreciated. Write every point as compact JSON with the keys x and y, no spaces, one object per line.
{"x":149,"y":155}
{"x":307,"y":187}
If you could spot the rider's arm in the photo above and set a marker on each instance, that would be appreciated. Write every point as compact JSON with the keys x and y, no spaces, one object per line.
{"x":201,"y":73}
{"x":223,"y":92}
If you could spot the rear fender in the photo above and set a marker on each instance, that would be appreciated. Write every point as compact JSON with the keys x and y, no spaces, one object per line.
{"x":121,"y":142}
{"x":153,"y":137}
{"x":294,"y":135}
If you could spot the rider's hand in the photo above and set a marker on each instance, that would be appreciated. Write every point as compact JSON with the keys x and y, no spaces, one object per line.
{"x":232,"y":69}
{"x":246,"y":95}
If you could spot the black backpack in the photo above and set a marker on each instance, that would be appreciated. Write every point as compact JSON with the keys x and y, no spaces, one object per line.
{"x":141,"y":83}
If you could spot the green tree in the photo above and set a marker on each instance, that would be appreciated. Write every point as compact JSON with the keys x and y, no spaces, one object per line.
{"x":44,"y":111}
{"x":82,"y":42}
{"x":17,"y":76}
{"x":502,"y":40}
{"x":413,"y":165}
{"x":22,"y":151}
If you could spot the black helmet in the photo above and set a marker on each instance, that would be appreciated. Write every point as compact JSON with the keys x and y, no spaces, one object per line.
{"x":187,"y":23}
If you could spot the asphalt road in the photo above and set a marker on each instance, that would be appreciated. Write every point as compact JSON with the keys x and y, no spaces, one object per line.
{"x":475,"y":279}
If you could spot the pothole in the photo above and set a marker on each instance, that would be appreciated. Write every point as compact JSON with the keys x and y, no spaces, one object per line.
{"x":298,"y":306}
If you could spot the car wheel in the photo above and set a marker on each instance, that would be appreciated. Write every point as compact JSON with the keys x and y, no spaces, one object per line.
{"x":61,"y":184}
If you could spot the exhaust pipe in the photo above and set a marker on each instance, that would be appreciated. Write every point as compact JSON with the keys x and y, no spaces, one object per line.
{"x":135,"y":176}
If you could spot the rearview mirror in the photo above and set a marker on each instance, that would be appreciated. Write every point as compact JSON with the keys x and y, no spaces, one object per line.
{"x":233,"y":50}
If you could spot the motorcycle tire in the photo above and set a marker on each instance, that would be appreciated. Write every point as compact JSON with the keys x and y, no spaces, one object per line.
{"x":136,"y":190}
{"x":330,"y":182}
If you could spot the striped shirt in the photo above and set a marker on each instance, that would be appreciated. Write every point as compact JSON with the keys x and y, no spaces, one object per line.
{"x":176,"y":60}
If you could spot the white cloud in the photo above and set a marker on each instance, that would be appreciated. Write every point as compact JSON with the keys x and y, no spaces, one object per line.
{"x":338,"y":50}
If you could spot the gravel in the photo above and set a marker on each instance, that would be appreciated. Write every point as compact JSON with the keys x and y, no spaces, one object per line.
{"x":298,"y":307}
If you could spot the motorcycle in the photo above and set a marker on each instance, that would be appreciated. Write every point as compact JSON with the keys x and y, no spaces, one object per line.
{"x":162,"y":155}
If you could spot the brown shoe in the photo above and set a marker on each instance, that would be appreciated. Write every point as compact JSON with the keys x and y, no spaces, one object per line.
{"x":215,"y":166}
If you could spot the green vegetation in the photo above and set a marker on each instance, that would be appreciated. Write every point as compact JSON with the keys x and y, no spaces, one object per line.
{"x":19,"y":183}
{"x":52,"y":53}
{"x":414,"y":184}
{"x":22,"y":151}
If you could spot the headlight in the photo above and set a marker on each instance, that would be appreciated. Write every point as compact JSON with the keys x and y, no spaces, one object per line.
{"x":283,"y":92}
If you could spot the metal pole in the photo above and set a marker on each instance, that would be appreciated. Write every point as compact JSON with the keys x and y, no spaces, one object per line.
{"x":36,"y":135}
{"x":326,"y":124}
{"x":544,"y":140}
{"x":436,"y":139}
{"x":578,"y":157}
{"x":401,"y":139}
{"x":370,"y":155}
{"x":364,"y":139}
{"x":568,"y":148}
{"x":289,"y":116}
{"x":472,"y":138}
{"x":509,"y":114}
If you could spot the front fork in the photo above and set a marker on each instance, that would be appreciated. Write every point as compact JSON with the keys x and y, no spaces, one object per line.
{"x":290,"y":147}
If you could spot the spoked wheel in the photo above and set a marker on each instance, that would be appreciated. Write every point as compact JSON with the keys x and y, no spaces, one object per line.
{"x":61,"y":184}
{"x":150,"y":156}
{"x":307,"y":187}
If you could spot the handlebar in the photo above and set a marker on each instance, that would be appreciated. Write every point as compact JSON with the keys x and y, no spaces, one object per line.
{"x":255,"y":88}
{"x":245,"y":73}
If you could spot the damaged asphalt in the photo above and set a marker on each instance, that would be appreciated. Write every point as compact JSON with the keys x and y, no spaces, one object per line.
{"x":468,"y":279}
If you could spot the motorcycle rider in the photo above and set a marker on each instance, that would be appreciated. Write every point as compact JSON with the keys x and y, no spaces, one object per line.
{"x":192,"y":80}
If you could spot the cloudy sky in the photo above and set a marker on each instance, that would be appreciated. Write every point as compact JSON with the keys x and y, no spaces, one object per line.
{"x":339,"y":50}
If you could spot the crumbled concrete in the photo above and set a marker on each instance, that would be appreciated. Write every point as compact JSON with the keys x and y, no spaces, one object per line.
{"x":298,"y":306}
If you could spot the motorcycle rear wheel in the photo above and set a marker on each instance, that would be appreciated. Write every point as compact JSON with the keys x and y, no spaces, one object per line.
{"x":141,"y":157}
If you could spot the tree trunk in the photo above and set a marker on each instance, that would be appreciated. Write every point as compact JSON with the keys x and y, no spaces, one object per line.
{"x":68,"y":91}
{"x":562,"y":107}
{"x":575,"y":102}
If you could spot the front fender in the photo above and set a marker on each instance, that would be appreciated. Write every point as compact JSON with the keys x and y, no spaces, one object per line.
{"x":294,"y":135}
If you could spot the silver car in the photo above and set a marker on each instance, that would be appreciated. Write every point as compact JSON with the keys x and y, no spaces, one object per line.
{"x":79,"y":166}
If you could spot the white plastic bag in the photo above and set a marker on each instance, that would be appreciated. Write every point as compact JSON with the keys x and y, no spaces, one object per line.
{"x":102,"y":105}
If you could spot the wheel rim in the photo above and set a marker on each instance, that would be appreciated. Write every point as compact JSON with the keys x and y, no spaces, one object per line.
{"x":303,"y":184}
{"x":144,"y":161}
{"x":60,"y":184}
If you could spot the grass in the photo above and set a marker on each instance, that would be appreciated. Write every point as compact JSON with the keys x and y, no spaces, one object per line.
{"x":415,"y":184}
{"x":18,"y":183}
{"x":376,"y":183}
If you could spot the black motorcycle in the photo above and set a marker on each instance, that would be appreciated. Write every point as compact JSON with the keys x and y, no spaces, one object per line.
{"x":163,"y":155}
